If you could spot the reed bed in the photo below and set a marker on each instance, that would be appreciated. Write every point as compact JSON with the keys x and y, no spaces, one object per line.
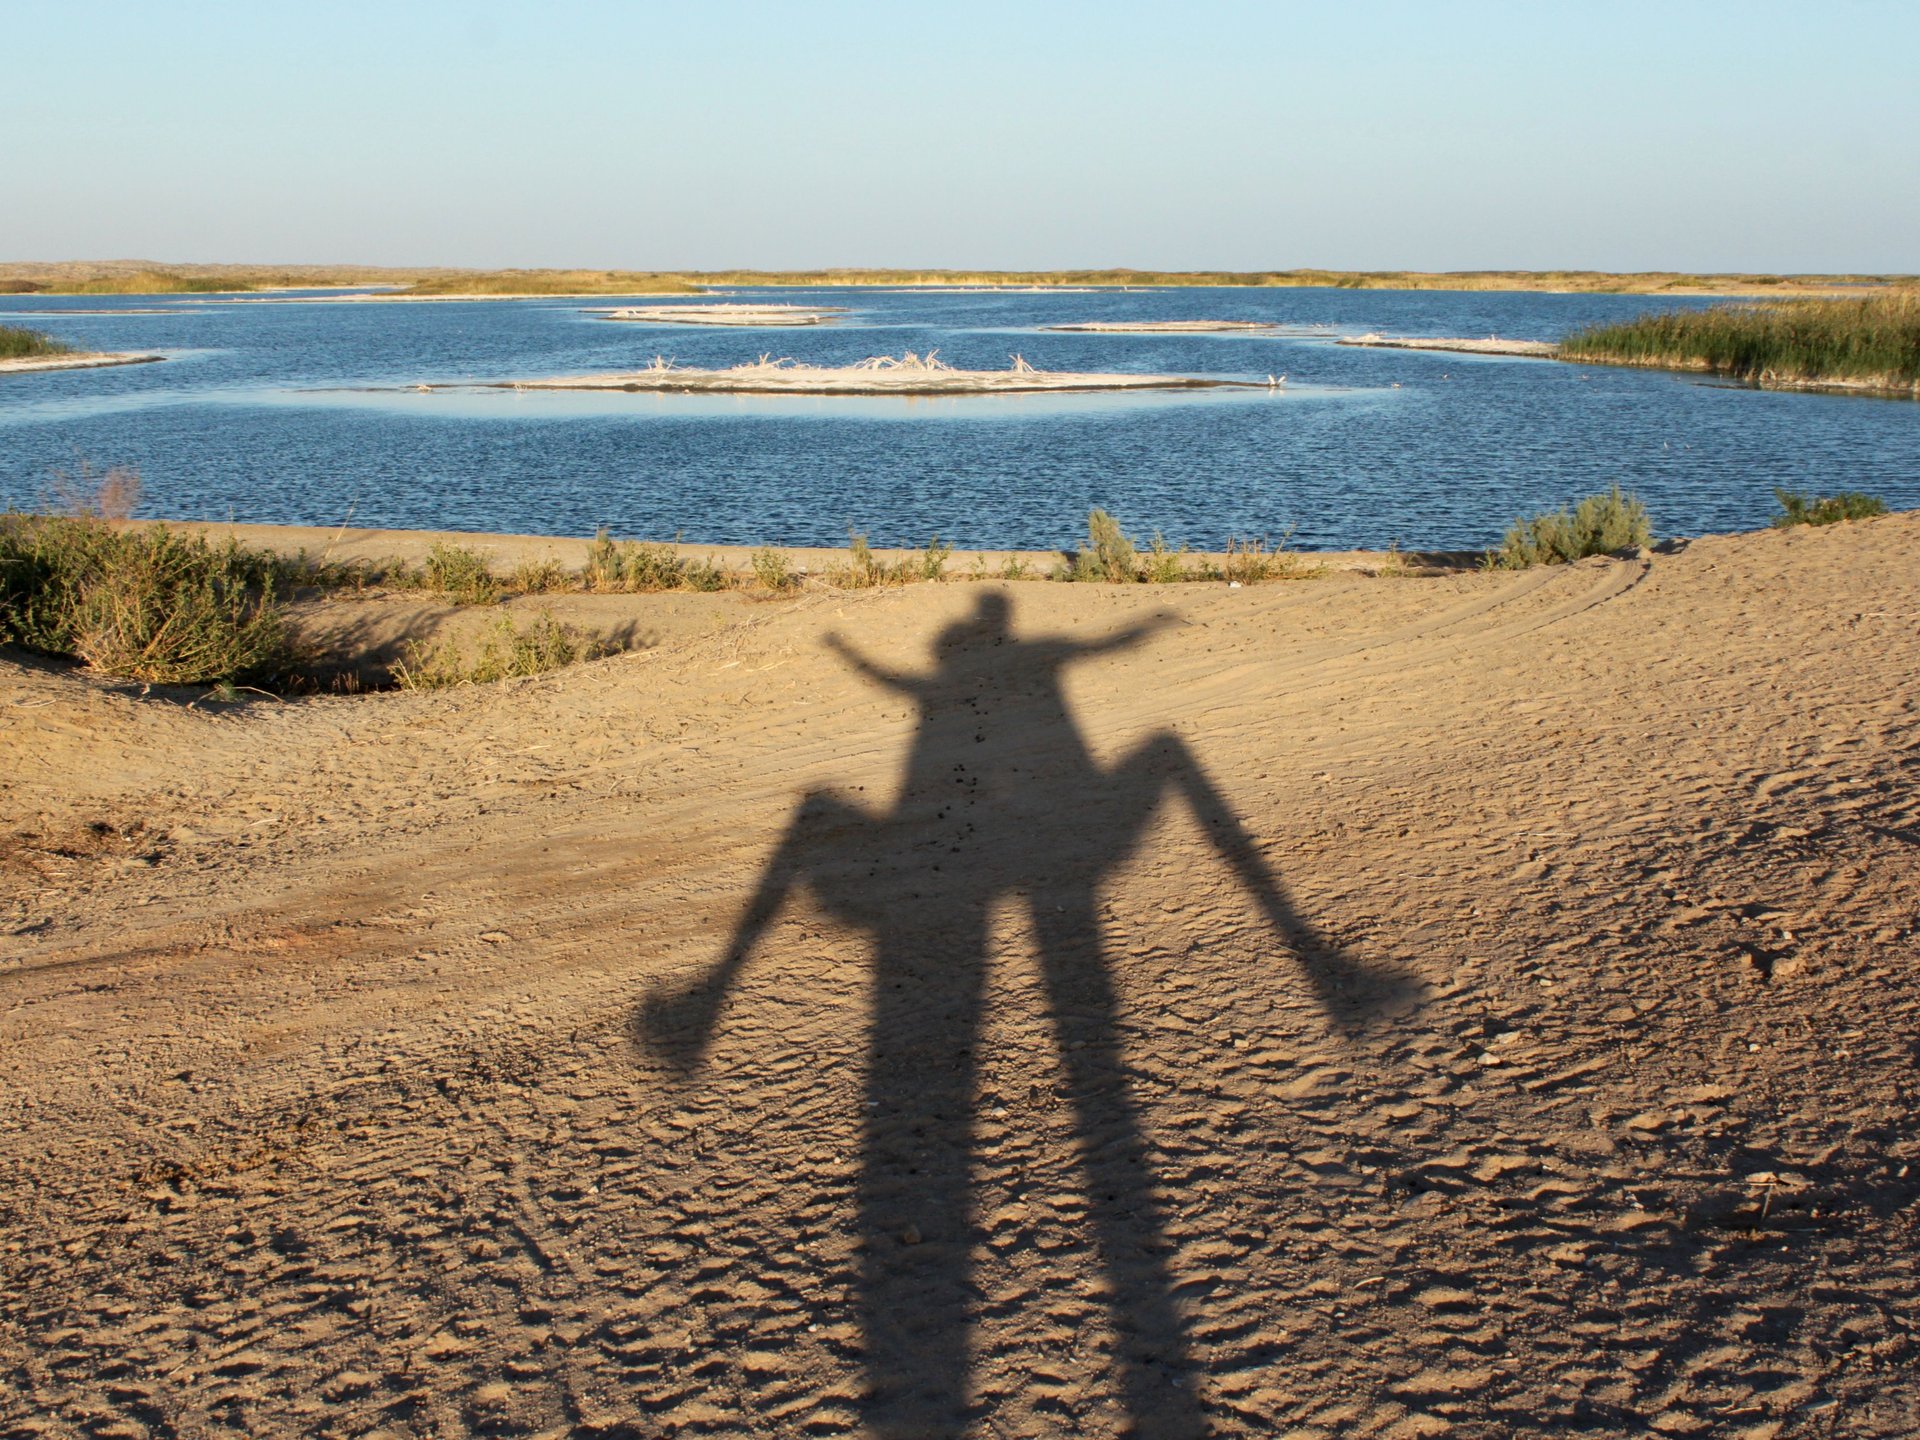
{"x":19,"y":344}
{"x":1872,"y":341}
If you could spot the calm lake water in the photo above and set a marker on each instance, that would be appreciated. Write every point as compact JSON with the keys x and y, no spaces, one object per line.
{"x":294,"y":412}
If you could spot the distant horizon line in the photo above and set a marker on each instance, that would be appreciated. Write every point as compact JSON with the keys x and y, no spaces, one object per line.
{"x":133,"y":262}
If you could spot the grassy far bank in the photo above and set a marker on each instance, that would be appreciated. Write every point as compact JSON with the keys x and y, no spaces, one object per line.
{"x":18,"y":344}
{"x":151,"y":278}
{"x":553,"y":282}
{"x":1649,"y":282}
{"x":1872,"y":341}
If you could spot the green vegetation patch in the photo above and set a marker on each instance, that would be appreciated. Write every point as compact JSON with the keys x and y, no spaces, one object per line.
{"x":19,"y":344}
{"x":143,"y":604}
{"x":1872,"y":340}
{"x":1797,"y":509}
{"x":505,"y":650}
{"x":1112,"y":556}
{"x":1598,"y":525}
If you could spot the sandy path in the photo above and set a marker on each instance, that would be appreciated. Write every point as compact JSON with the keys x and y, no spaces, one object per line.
{"x":327,"y":1103}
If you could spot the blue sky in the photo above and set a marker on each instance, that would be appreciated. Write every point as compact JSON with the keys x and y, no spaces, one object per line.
{"x":1248,"y":136}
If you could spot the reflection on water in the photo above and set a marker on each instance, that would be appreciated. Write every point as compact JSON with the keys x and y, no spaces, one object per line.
{"x":289,"y":411}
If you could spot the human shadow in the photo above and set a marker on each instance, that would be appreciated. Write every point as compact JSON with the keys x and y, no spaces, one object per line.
{"x":1001,"y":799}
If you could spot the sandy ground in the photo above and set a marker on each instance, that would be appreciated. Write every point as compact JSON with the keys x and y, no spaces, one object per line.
{"x":1491,"y":345}
{"x":82,"y":361}
{"x":1476,"y":1006}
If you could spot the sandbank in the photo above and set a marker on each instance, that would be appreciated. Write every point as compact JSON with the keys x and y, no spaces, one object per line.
{"x":84,"y":361}
{"x":910,"y":374}
{"x":1167,"y":327}
{"x":757,"y":316}
{"x":1491,"y":345}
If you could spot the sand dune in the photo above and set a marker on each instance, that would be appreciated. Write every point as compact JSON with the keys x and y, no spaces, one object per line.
{"x":1480,"y":1005}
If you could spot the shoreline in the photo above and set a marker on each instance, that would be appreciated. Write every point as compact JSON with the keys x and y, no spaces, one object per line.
{"x":349,"y":544}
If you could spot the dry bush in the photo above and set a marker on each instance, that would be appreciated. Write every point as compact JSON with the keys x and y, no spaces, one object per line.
{"x":1797,"y":509}
{"x":1109,"y":554}
{"x":141,"y":604}
{"x":540,"y":577}
{"x":1598,"y":525}
{"x":505,"y":651}
{"x":772,"y":570}
{"x":110,"y":494}
{"x":460,"y":574}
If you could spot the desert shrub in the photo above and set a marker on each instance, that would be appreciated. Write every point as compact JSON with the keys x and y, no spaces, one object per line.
{"x":1393,"y":563}
{"x":653,"y":567}
{"x":20,"y":344}
{"x":1598,"y":525}
{"x":505,"y":650}
{"x":145,"y":604}
{"x":460,"y":574}
{"x":1014,"y":568}
{"x":772,"y":571}
{"x":540,"y":577}
{"x":1797,"y":509}
{"x":621,"y":566}
{"x":705,"y":575}
{"x":606,"y":567}
{"x":864,"y":570}
{"x":933,"y":560}
{"x":1249,"y":559}
{"x":1165,"y":565}
{"x":1108,"y":553}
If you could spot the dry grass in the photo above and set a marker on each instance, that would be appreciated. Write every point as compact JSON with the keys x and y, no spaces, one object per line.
{"x":628,"y":566}
{"x":773,"y":571}
{"x":505,"y":651}
{"x":553,"y":282}
{"x":545,"y":576}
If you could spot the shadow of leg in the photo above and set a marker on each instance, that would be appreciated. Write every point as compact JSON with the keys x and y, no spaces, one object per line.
{"x":1158,"y":1378}
{"x":1350,"y":992}
{"x":916,"y":1212}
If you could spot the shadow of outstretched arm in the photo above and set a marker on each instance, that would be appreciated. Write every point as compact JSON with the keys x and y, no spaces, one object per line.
{"x":677,"y":1023}
{"x":879,"y":674}
{"x":1348,"y":990}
